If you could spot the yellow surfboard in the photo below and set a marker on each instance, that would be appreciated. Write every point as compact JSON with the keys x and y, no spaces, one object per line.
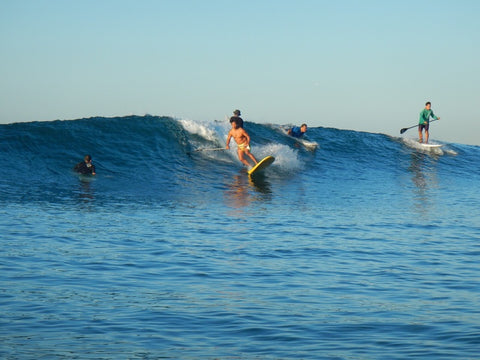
{"x":262,"y":164}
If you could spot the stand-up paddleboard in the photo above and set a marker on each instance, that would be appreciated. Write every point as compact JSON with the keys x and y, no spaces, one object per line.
{"x":261,"y":165}
{"x":430,"y":146}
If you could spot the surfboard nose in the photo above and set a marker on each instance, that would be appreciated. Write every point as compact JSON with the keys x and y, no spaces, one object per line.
{"x":261,"y":165}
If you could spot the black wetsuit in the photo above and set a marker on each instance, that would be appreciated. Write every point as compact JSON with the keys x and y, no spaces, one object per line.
{"x":84,"y":169}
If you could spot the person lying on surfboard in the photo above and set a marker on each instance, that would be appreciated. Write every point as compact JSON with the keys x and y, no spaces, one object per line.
{"x":423,"y":122}
{"x":243,"y":141}
{"x":297,"y":132}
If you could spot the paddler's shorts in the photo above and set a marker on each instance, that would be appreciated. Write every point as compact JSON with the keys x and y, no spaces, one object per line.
{"x":423,"y":126}
{"x":244,"y":147}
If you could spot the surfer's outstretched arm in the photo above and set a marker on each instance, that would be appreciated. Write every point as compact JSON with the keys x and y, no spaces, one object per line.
{"x":228,"y":141}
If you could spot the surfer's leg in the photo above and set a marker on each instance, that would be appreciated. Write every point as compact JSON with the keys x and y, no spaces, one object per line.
{"x":250,"y":155}
{"x":427,"y":127}
{"x":420,"y":137}
{"x":242,"y":159}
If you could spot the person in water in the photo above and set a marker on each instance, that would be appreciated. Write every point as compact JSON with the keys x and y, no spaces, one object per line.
{"x":236,"y":116}
{"x":243,"y":141}
{"x":424,"y":121}
{"x":297,"y":131}
{"x":85,"y":167}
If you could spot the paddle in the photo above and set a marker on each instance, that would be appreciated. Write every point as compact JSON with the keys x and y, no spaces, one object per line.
{"x":212,"y":149}
{"x":405,"y":129}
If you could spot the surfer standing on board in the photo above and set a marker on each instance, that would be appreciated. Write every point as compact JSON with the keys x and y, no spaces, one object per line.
{"x":297,"y":132}
{"x":423,"y":122}
{"x":243,"y":141}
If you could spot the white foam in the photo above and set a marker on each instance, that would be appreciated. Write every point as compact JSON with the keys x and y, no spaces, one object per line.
{"x":285,"y":157}
{"x":451,"y":152}
{"x":205,"y":130}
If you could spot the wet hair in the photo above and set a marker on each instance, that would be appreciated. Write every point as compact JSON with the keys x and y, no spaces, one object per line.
{"x":428,"y":103}
{"x":238,"y":120}
{"x":88,"y":158}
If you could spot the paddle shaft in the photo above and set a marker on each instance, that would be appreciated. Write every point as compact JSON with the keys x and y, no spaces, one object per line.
{"x":411,"y":127}
{"x":213,"y":149}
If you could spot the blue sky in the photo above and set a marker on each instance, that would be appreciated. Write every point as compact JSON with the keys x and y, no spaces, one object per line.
{"x":361,"y":65}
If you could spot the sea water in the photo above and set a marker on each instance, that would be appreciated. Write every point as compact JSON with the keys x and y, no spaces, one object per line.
{"x":366,"y":248}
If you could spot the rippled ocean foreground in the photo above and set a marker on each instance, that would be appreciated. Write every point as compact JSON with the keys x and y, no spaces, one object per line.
{"x":366,"y":248}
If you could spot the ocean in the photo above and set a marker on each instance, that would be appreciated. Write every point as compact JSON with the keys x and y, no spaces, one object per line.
{"x":366,"y":248}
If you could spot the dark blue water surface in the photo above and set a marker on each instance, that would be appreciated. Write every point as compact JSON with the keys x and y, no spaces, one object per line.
{"x":366,"y":248}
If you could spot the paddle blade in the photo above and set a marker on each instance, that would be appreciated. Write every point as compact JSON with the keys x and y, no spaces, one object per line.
{"x":403,"y":130}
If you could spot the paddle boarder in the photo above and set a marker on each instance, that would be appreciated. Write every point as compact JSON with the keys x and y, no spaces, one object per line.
{"x":236,"y":116}
{"x":297,"y":131}
{"x":243,"y":141}
{"x":85,"y":167}
{"x":423,"y":122}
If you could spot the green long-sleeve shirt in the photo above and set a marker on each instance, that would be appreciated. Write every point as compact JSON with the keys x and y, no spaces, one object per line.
{"x":425,"y":116}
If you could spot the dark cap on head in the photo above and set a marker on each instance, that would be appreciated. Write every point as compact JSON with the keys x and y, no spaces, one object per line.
{"x":237,"y":112}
